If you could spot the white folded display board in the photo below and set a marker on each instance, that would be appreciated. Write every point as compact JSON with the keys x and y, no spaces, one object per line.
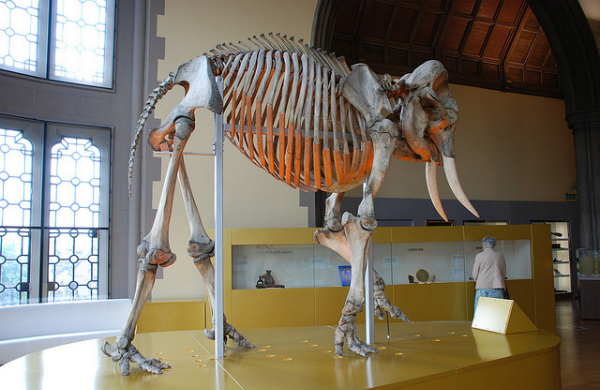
{"x":501,"y":316}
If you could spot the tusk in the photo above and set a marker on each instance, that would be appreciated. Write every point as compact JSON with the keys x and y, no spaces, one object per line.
{"x":432,"y":187}
{"x":452,"y":177}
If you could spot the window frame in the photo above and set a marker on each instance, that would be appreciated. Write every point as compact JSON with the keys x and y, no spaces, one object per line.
{"x":43,"y":136}
{"x":46,"y":50}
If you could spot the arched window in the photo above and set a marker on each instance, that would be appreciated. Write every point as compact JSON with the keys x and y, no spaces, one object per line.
{"x":54,"y":194}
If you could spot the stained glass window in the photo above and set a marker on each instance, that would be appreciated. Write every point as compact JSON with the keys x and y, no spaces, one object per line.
{"x":53,"y":212}
{"x":16,"y":158}
{"x":76,"y":35}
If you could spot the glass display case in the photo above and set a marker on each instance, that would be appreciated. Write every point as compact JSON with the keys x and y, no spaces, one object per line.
{"x":310,"y":266}
{"x":561,"y":256}
{"x":427,"y":273}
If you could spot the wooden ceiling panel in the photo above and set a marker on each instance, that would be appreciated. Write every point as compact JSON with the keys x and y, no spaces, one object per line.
{"x":427,"y":30}
{"x":491,"y":71}
{"x":377,"y":20}
{"x":441,"y":4}
{"x":476,"y":39}
{"x":465,"y":7}
{"x":418,"y":57}
{"x":398,"y":57}
{"x":540,"y":52}
{"x":455,"y":34}
{"x":498,"y":42}
{"x":522,"y":47}
{"x":345,"y":21}
{"x":533,"y":78}
{"x":372,"y":52}
{"x":487,"y":9}
{"x":403,"y":25}
{"x":470,"y":68}
{"x":495,"y":44}
{"x":515,"y":75}
{"x":531,"y":21}
{"x":510,"y":12}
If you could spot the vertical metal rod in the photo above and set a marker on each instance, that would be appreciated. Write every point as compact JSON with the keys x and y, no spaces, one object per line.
{"x":369,"y":296}
{"x":218,"y":320}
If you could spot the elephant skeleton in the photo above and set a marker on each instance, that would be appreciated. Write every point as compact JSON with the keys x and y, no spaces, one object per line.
{"x":310,"y":121}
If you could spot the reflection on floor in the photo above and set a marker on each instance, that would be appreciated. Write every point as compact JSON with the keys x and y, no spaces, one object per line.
{"x":579,"y":349}
{"x":425,"y":355}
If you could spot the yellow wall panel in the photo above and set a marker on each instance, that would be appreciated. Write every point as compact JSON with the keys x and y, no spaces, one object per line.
{"x":273,"y":307}
{"x":432,"y":302}
{"x":171,"y":315}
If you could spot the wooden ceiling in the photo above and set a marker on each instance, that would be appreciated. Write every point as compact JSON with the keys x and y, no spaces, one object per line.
{"x":497,"y":44}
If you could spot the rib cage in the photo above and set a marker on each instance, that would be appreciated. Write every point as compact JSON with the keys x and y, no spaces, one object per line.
{"x":283,"y":111}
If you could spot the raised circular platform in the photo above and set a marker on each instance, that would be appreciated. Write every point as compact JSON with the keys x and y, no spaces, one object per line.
{"x":421,"y":355}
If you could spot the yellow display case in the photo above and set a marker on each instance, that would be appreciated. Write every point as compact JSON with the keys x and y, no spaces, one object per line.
{"x":314,"y":295}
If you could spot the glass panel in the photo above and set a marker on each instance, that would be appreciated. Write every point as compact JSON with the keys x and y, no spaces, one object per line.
{"x":441,"y":261}
{"x":80,"y":47}
{"x":75,"y":206}
{"x":517,"y":254}
{"x":290,"y":265}
{"x":14,"y":265}
{"x":72,"y":265}
{"x":19,"y":40}
{"x":74,"y":184}
{"x":16,"y":158}
{"x":326,"y":264}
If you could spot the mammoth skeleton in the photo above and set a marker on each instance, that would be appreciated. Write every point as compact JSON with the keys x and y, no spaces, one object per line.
{"x":309,"y":120}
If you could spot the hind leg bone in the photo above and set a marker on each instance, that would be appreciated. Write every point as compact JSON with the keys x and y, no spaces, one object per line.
{"x":153,"y":251}
{"x":201,"y":249}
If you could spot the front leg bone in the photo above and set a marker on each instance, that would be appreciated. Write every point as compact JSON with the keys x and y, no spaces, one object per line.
{"x":358,"y":242}
{"x":351,"y":243}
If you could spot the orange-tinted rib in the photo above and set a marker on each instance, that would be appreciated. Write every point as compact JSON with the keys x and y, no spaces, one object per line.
{"x":307,"y":152}
{"x":355,"y":159}
{"x":339,"y":167}
{"x":298,"y":157}
{"x":281,"y":140}
{"x":249,"y":124}
{"x":327,"y":167}
{"x":289,"y":156}
{"x":233,"y":108}
{"x":270,"y":140}
{"x":242,"y":121}
{"x":259,"y":134}
{"x":317,"y":165}
{"x":348,"y":167}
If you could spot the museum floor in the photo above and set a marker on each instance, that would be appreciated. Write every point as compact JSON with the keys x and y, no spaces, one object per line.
{"x":579,"y":358}
{"x":579,"y":349}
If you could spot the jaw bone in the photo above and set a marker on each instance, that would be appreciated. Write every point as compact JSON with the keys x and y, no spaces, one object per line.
{"x":452,"y":177}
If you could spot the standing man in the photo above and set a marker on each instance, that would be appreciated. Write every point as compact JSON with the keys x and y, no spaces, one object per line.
{"x":489,"y":271}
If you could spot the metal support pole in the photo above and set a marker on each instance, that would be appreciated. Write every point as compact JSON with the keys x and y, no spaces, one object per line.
{"x":369,"y":296}
{"x":218,"y":320}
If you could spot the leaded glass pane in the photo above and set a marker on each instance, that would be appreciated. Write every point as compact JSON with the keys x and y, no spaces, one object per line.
{"x":73,"y":252}
{"x":80,"y":47}
{"x":19,"y":38}
{"x":16,"y":160}
{"x":72,"y":265}
{"x":74,"y":184}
